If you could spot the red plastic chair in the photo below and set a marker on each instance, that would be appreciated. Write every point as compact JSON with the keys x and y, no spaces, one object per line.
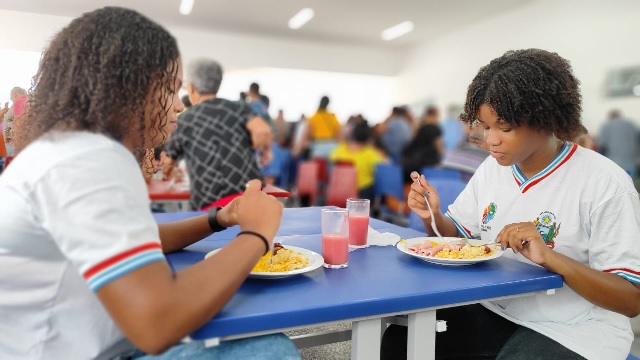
{"x":342,"y":185}
{"x":323,"y":175}
{"x":307,"y":181}
{"x":343,"y":163}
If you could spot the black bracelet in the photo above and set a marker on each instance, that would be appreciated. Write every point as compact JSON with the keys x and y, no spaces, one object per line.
{"x":264,"y":239}
{"x":213,"y":219}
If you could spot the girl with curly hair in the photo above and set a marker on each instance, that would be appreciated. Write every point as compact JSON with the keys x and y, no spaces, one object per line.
{"x":555,"y":204}
{"x":83,"y":271}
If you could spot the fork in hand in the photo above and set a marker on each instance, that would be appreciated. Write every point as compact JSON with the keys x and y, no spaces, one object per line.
{"x":416,"y":178}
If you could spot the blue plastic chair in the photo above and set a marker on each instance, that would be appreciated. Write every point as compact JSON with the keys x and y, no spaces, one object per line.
{"x":273,"y":168}
{"x":448,"y":191}
{"x":388,"y":182}
{"x":415,"y":222}
{"x":632,"y":357}
{"x":279,"y":165}
{"x":285,"y":166}
{"x":440,"y":173}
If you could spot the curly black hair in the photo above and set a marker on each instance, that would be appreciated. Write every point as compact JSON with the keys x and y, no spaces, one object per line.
{"x":532,"y":87}
{"x":101,"y":73}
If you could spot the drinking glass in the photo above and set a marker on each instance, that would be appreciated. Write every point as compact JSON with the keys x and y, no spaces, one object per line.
{"x":335,"y":238}
{"x":358,"y":222}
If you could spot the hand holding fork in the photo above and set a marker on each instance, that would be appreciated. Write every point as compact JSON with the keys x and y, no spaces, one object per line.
{"x":416,"y":178}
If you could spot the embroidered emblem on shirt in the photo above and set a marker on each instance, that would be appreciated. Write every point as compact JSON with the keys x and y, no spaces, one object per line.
{"x":489,"y":213}
{"x":548,"y":227}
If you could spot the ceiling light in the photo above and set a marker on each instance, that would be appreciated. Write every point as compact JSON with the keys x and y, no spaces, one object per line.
{"x":301,"y":18}
{"x":186,"y":6}
{"x":397,"y":30}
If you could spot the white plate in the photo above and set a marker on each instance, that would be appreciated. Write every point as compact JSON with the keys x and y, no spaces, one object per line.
{"x":403,"y":246}
{"x":315,"y":261}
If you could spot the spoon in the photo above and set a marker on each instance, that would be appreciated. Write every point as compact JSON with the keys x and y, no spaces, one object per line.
{"x":416,"y":178}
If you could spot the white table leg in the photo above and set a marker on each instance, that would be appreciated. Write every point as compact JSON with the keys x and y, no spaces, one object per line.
{"x":421,"y":341}
{"x":365,"y":339}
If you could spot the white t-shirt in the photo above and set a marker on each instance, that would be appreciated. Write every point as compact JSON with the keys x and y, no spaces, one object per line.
{"x":586,"y":208}
{"x":74,"y":216}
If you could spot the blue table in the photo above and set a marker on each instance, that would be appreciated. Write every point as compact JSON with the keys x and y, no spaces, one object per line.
{"x":379,"y":282}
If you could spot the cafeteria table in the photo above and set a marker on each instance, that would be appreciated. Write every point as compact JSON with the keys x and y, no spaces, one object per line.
{"x":380,"y":282}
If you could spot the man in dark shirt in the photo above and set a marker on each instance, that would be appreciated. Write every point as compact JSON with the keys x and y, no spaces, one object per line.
{"x":218,"y":139}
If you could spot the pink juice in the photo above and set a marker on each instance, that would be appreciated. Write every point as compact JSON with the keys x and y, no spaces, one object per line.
{"x":358,"y":229}
{"x":335,"y":249}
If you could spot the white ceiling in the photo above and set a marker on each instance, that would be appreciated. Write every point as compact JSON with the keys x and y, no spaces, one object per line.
{"x":346,"y":21}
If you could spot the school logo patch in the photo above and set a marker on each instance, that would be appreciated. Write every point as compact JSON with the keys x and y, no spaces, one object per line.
{"x":548,"y":227}
{"x":489,"y":213}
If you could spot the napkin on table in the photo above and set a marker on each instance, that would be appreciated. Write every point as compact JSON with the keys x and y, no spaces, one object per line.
{"x":375,"y":238}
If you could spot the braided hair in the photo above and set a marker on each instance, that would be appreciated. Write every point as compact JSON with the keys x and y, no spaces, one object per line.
{"x":532,"y":87}
{"x":106,"y":72}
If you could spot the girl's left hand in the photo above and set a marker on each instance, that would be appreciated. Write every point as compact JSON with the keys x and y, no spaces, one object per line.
{"x":525,"y":238}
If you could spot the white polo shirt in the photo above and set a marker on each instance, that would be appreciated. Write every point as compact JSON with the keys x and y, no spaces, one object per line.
{"x":586,"y":208}
{"x":74,"y":216}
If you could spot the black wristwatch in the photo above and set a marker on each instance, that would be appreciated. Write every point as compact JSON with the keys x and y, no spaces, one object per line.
{"x":213,"y":219}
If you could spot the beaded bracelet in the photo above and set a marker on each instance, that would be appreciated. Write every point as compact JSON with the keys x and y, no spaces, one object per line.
{"x":264,"y":239}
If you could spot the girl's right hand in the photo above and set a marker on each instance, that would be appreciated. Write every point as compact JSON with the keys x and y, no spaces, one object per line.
{"x":415,"y":199}
{"x":257,"y":211}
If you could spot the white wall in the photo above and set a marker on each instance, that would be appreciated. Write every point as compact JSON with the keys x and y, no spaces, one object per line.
{"x":356,"y":78}
{"x":299,"y":91}
{"x":28,"y":31}
{"x":17,"y":67}
{"x":242,"y":51}
{"x":596,"y":36}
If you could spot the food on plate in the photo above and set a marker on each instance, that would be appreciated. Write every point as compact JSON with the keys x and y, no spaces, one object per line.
{"x":283,"y":260}
{"x":450,"y":251}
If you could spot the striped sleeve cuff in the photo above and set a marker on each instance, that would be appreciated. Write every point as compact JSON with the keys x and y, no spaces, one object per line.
{"x":632,"y":276}
{"x":123,"y":263}
{"x":464,"y":232}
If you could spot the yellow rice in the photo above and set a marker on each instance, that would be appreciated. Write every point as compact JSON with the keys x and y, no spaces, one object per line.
{"x":284,"y":260}
{"x":466,"y":252}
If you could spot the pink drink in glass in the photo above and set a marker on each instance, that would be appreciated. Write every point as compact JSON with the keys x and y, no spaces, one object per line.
{"x":335,"y":250}
{"x":335,"y":238}
{"x":358,"y":222}
{"x":358,"y":229}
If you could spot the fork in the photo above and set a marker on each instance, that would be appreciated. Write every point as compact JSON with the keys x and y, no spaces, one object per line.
{"x":270,"y":262}
{"x":416,"y":177}
{"x":480,"y":242}
{"x":271,"y":250}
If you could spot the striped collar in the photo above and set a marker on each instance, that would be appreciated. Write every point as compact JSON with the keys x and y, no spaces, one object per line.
{"x":568,"y":149}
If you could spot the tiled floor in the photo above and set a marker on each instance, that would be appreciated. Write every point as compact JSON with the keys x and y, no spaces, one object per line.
{"x":337,"y":351}
{"x":341,"y":351}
